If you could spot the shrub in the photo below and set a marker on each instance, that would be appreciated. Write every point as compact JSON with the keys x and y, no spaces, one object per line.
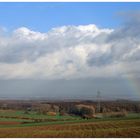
{"x":84,"y":111}
{"x":51,"y":113}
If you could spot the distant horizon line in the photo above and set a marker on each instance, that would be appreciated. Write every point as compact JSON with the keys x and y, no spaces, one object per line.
{"x":65,"y":99}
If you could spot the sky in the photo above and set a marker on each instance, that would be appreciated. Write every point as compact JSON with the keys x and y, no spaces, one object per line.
{"x":70,"y":50}
{"x":45,"y":16}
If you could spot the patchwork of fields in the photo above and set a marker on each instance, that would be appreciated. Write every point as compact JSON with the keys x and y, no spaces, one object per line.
{"x":119,"y":128}
{"x":17,"y":124}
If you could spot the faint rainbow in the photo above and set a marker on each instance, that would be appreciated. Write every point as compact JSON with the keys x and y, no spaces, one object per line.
{"x":132,"y":82}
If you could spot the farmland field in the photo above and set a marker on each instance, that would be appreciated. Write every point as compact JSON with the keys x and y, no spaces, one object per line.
{"x":17,"y":124}
{"x":114,"y":128}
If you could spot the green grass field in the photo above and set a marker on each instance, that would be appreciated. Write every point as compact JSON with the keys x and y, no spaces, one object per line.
{"x":34,"y":115}
{"x":29,"y":119}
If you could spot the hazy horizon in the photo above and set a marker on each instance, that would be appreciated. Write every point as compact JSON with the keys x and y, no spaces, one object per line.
{"x":67,"y":89}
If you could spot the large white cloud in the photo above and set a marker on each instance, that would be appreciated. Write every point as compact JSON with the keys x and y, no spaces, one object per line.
{"x":70,"y":52}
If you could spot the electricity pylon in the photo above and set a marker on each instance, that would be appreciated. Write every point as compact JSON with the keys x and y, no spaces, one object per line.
{"x":99,"y":101}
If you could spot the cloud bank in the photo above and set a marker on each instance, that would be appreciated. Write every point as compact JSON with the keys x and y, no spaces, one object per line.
{"x":69,"y":52}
